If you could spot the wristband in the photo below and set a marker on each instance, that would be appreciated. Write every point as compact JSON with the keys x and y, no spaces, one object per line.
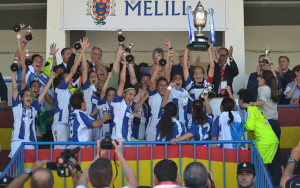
{"x":122,"y":45}
{"x":172,"y":61}
{"x":170,"y":48}
{"x":24,"y":42}
{"x":19,"y":36}
{"x":51,"y":56}
{"x":169,"y":88}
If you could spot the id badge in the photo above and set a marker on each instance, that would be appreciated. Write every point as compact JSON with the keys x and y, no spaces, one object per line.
{"x":223,"y":84}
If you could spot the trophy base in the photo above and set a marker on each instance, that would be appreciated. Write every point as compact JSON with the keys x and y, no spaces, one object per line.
{"x":200,"y":44}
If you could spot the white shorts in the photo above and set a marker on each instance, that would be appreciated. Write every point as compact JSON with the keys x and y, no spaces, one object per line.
{"x":39,"y":131}
{"x":99,"y":133}
{"x":14,"y":145}
{"x":60,"y":133}
{"x":150,"y":133}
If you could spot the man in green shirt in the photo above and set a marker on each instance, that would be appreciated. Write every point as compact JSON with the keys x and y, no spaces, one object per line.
{"x":266,"y":141}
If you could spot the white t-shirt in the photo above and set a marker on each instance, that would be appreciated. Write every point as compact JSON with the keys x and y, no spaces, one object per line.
{"x":270,"y":107}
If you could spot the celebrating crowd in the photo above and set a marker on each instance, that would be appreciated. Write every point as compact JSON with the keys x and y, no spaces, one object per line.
{"x":80,"y":100}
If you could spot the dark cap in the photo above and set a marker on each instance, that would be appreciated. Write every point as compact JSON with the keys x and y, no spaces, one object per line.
{"x":246,"y":166}
{"x":5,"y":180}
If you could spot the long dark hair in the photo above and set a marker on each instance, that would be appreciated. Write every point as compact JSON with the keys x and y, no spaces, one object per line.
{"x":228,"y":106}
{"x":271,"y":81}
{"x":199,"y":117}
{"x":166,"y":124}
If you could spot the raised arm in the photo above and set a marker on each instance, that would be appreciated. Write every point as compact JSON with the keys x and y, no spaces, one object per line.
{"x":228,"y":88}
{"x":46,"y":88}
{"x":141,"y":98}
{"x":23,"y":44}
{"x":271,"y":65}
{"x":211,"y":70}
{"x":128,"y":172}
{"x":116,"y":66}
{"x":14,"y":86}
{"x":206,"y":102}
{"x":167,"y":94}
{"x":170,"y":58}
{"x":105,"y":85}
{"x":84,"y":68}
{"x":51,"y":61}
{"x":186,"y":72}
{"x":85,"y":44}
{"x":153,"y":79}
{"x":122,"y":78}
{"x":132,"y":75}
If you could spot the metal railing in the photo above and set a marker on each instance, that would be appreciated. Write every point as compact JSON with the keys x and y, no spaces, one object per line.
{"x":16,"y":165}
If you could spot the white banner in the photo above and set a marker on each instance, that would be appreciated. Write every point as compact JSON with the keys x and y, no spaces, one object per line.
{"x":137,"y":15}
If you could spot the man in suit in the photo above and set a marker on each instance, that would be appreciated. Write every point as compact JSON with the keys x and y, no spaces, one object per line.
{"x":253,"y":82}
{"x":68,"y":55}
{"x":285,"y":76}
{"x":225,"y":70}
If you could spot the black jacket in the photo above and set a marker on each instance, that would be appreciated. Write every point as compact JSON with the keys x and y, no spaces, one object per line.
{"x":231,"y":71}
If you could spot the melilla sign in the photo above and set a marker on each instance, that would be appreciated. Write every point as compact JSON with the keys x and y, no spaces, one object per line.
{"x":137,"y":15}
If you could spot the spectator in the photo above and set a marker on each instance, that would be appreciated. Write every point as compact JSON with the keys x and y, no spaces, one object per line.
{"x":246,"y":175}
{"x":68,"y":56}
{"x":100,"y":173}
{"x":165,"y":174}
{"x":253,"y":78}
{"x":40,"y":177}
{"x":292,"y":90}
{"x":3,"y":93}
{"x":285,"y":75}
{"x":96,"y":57}
{"x":230,"y":124}
{"x":291,"y":174}
{"x":266,"y":140}
{"x":195,"y":175}
{"x":156,"y":51}
{"x":142,"y":65}
{"x":224,"y":71}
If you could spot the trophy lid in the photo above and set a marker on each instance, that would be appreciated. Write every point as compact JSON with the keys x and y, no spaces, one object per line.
{"x":119,"y":31}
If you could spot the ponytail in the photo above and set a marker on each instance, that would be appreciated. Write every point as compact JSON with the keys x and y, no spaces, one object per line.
{"x":271,"y":81}
{"x":228,"y":106}
{"x":166,"y":125}
{"x":198,"y":116}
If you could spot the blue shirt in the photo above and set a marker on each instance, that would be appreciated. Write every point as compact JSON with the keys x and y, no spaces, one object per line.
{"x":200,"y":132}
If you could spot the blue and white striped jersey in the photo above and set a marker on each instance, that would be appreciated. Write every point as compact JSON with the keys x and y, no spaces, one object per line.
{"x":90,"y":98}
{"x":24,"y":120}
{"x":62,"y":103}
{"x":122,"y":118}
{"x":80,"y":126}
{"x":200,"y":132}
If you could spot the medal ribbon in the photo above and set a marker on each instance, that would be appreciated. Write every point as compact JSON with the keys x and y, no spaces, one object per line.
{"x":191,"y":28}
{"x":212,"y":27}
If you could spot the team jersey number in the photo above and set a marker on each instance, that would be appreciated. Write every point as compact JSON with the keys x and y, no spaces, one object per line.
{"x":71,"y":124}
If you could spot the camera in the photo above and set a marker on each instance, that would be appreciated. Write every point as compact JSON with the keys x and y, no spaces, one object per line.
{"x":106,"y":143}
{"x":62,"y":163}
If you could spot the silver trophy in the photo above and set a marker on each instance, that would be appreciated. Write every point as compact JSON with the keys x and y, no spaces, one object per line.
{"x":18,"y":28}
{"x":162,"y":62}
{"x":29,"y":35}
{"x":15,"y":65}
{"x":208,"y":89}
{"x":121,"y":38}
{"x":128,"y":50}
{"x":267,"y":52}
{"x":201,"y":41}
{"x":28,"y":58}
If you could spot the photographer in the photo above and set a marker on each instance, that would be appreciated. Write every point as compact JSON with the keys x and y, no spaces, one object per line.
{"x":99,"y":172}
